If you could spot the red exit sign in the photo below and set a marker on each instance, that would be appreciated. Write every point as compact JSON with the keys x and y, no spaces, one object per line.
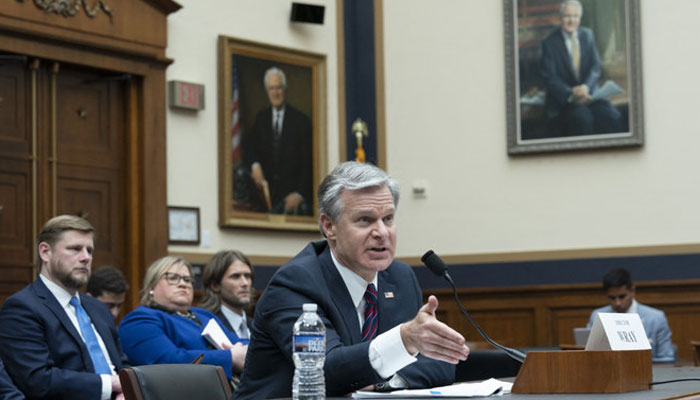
{"x":186,"y":95}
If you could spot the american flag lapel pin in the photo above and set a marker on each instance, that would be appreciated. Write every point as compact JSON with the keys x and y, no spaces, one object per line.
{"x":388,"y":295}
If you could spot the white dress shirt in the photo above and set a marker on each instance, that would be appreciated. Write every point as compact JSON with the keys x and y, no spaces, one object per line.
{"x":236,"y":321}
{"x":63,"y":298}
{"x":387,"y":354}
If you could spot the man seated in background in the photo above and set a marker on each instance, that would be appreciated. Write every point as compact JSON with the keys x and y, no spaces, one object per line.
{"x":56,"y":342}
{"x":354,"y":279}
{"x":108,"y":285}
{"x":228,"y":290}
{"x":618,"y":285}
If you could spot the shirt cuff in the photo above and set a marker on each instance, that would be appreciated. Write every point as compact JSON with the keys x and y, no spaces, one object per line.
{"x":106,"y":387}
{"x":387,"y":354}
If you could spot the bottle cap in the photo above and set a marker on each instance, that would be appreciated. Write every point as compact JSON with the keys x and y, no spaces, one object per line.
{"x":311,"y":307}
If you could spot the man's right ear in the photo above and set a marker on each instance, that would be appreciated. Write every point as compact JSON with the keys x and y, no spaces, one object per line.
{"x":327,"y":226}
{"x":45,"y":252}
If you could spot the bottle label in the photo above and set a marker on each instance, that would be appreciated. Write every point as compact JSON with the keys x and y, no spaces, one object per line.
{"x":309,"y":344}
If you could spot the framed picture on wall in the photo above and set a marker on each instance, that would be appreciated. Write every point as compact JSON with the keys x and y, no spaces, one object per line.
{"x":573,"y":75}
{"x":183,"y":225}
{"x":272,"y":135}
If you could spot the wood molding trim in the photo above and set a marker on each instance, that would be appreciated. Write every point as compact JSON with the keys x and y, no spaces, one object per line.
{"x":603,"y":252}
{"x":203,"y":258}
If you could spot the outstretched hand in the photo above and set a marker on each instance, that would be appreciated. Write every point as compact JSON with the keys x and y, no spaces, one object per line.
{"x":432,"y":338}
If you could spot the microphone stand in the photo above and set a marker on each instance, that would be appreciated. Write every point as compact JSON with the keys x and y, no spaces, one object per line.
{"x":438,"y":267}
{"x":512,"y":353}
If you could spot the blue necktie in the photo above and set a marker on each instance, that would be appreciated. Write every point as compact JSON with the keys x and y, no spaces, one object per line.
{"x":369,"y":328}
{"x":93,"y":346}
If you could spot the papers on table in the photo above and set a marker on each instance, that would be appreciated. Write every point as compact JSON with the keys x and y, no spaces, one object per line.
{"x":215,"y":335}
{"x":609,"y":88}
{"x":491,"y":387}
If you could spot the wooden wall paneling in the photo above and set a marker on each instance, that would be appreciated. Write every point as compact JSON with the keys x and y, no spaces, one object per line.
{"x":132,"y":41}
{"x":544,"y":316}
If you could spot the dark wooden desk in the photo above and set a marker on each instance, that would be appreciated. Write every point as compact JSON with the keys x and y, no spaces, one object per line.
{"x":658,"y":392}
{"x":675,"y":391}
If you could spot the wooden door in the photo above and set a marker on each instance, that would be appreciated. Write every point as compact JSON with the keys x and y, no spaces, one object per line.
{"x":62,"y":151}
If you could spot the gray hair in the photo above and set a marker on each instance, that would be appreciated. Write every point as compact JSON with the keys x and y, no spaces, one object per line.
{"x":567,"y":2}
{"x":275,"y":71}
{"x":351,"y":175}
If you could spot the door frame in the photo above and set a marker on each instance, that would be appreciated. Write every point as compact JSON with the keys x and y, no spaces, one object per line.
{"x":80,"y":40}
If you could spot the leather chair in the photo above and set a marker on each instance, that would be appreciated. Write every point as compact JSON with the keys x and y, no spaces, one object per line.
{"x":175,"y":382}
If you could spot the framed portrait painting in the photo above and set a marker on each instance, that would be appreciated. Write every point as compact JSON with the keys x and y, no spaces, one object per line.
{"x":573,"y":75}
{"x":272,"y":127}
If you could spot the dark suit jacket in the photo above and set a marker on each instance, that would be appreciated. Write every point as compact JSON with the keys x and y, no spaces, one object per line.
{"x":43,"y":351}
{"x":311,"y":277}
{"x":557,"y":69}
{"x":291,"y":171}
{"x":8,"y":390}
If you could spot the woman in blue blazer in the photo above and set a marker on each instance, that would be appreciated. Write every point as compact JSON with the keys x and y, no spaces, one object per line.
{"x":166,"y":329}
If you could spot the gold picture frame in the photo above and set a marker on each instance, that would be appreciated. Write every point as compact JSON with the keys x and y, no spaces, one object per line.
{"x":296,"y":162}
{"x":540,"y":117}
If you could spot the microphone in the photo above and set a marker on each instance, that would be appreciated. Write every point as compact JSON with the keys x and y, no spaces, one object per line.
{"x":438,"y":267}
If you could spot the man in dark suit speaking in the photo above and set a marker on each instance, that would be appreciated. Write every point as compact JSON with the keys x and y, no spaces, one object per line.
{"x":350,"y":276}
{"x":56,"y":342}
{"x":570,"y":68}
{"x":279,"y":152}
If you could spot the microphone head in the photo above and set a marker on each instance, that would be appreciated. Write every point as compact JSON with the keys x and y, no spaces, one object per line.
{"x":434,"y":263}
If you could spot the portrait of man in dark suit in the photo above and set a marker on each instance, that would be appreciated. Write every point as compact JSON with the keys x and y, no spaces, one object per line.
{"x":570,"y":68}
{"x":277,"y":150}
{"x":574,"y":74}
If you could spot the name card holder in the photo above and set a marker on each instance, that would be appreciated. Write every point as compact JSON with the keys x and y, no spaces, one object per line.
{"x":617,"y":359}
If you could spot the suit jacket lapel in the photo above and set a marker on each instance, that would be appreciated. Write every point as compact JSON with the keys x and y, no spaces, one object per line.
{"x":341,"y":298}
{"x":565,"y":56}
{"x":388,"y":306}
{"x":52,"y":304}
{"x":226,"y":322}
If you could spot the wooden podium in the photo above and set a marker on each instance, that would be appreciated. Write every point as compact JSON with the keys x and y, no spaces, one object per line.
{"x":584,"y":372}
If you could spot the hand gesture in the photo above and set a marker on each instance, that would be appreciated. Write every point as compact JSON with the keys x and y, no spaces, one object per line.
{"x":432,"y":338}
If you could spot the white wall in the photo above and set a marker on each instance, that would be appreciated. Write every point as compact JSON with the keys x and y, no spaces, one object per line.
{"x":446,"y":125}
{"x":445,"y":104}
{"x":193,"y":137}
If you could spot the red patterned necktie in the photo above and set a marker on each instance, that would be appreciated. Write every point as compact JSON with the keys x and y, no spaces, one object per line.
{"x":369,"y":328}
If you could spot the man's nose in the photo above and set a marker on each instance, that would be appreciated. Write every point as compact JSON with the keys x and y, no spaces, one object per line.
{"x":380,"y":229}
{"x":85,"y":254}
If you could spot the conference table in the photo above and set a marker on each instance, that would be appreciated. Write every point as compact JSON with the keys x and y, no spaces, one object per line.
{"x":675,"y":390}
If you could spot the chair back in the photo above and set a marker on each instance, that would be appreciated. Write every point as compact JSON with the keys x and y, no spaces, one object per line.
{"x":175,"y":382}
{"x":696,"y":351}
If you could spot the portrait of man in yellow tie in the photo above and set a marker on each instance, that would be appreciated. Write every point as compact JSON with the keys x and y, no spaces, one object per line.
{"x":573,"y":74}
{"x":571,"y":69}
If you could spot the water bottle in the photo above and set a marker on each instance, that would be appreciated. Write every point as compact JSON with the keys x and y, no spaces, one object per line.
{"x":309,"y":354}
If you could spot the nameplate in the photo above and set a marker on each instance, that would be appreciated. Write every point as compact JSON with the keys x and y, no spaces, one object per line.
{"x":617,"y":331}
